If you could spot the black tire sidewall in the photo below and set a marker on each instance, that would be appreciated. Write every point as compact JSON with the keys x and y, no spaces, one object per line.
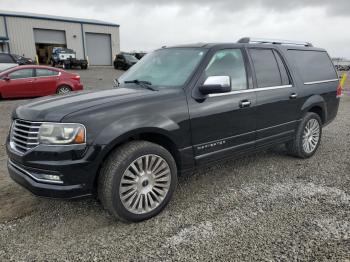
{"x":305,"y":120}
{"x":118,"y":172}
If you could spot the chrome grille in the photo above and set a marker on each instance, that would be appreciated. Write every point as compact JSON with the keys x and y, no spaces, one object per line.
{"x":24,"y":135}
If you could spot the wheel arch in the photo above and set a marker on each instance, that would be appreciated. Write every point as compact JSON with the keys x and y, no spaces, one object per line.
{"x":316,"y":104}
{"x":153,"y":135}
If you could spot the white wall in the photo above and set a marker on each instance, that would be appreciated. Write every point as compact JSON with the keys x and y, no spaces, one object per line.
{"x":21,"y":35}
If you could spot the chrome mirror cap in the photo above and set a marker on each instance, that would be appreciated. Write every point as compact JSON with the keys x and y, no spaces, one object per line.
{"x":223,"y":81}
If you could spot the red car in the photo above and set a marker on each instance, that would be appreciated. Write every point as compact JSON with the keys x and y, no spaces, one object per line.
{"x":34,"y":81}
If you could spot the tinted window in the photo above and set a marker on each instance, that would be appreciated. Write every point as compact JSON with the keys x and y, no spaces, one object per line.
{"x":5,"y":58}
{"x":266,"y":68}
{"x":23,"y":73}
{"x":313,"y":65}
{"x":45,"y":72}
{"x":283,"y":69}
{"x":130,"y":58}
{"x":228,"y":63}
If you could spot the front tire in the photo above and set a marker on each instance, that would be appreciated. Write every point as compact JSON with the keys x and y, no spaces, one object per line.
{"x":137,"y":181}
{"x":307,"y":138}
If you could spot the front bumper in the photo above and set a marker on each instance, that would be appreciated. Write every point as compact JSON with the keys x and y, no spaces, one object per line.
{"x":76,"y":167}
{"x":23,"y":177}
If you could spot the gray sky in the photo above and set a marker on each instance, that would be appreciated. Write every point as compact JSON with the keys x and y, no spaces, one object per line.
{"x":150,"y":24}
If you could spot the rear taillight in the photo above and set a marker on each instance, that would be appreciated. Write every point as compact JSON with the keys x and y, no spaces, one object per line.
{"x":339,"y":91}
{"x":76,"y":77}
{"x":341,"y":85}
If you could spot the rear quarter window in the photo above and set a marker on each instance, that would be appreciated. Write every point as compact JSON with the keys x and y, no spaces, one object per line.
{"x":313,"y":66}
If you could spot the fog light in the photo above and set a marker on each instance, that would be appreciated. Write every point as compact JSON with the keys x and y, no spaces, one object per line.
{"x":51,"y":177}
{"x":48,"y":178}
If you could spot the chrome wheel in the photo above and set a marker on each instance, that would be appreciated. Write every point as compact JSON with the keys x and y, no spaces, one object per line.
{"x":63,"y":90}
{"x":311,"y":135}
{"x":145,"y":184}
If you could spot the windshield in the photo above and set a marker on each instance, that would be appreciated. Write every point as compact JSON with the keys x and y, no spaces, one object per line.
{"x":168,"y":67}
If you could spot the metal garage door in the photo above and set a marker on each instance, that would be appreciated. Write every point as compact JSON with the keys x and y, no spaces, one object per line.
{"x":99,"y":49}
{"x":44,"y":36}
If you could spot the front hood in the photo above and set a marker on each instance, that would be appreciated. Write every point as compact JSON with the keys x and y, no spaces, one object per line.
{"x":54,"y":108}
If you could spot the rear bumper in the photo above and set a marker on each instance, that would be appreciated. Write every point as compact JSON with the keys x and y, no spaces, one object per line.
{"x":24,"y":176}
{"x":78,"y":87}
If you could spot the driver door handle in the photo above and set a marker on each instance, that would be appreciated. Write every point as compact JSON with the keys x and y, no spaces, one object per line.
{"x":293,"y":96}
{"x":244,"y":103}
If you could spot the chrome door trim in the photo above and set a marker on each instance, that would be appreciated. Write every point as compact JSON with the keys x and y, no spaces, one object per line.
{"x":321,"y":82}
{"x":250,"y":90}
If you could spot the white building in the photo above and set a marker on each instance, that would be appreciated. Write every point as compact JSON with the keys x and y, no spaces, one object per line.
{"x":31,"y":34}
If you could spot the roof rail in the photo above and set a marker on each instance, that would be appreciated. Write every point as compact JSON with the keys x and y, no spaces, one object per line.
{"x":250,"y":40}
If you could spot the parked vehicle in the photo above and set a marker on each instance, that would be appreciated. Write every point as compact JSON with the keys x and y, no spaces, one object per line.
{"x":124,"y":61}
{"x":342,"y":67}
{"x":7,"y":61}
{"x":177,"y":109}
{"x":67,"y":59}
{"x":139,"y":55}
{"x":35,"y":81}
{"x":21,"y":60}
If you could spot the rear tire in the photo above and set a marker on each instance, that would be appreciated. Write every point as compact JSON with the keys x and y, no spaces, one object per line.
{"x":137,"y":181}
{"x":63,"y":90}
{"x":66,"y":66}
{"x":307,"y":138}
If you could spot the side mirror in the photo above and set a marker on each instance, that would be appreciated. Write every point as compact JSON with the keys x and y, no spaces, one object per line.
{"x":6,"y":78}
{"x":216,"y":85}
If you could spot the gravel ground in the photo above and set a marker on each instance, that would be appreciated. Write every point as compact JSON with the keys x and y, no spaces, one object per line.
{"x":266,"y":206}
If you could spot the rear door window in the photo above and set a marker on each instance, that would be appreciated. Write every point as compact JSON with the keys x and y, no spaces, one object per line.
{"x":45,"y":72}
{"x":266,"y":68}
{"x":22,"y":73}
{"x":312,"y":65}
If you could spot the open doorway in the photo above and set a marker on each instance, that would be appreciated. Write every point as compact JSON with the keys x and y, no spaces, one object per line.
{"x":45,"y":41}
{"x":44,"y":52}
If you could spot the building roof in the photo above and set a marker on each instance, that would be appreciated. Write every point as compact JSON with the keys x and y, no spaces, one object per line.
{"x":55,"y":18}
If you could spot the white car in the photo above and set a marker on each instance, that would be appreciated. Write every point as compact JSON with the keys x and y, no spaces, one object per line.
{"x":6,"y":61}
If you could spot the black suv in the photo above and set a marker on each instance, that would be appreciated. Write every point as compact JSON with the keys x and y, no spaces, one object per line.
{"x":179,"y":108}
{"x":124,"y":61}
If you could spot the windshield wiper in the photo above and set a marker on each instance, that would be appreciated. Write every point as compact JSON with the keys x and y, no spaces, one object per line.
{"x":142,"y":83}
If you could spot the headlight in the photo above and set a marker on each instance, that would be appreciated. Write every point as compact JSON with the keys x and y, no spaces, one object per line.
{"x":61,"y":134}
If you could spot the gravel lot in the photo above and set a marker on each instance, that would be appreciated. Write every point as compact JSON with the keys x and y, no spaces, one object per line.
{"x":265,"y":206}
